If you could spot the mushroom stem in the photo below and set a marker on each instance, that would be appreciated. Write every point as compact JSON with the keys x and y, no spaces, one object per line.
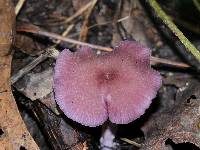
{"x":108,"y":135}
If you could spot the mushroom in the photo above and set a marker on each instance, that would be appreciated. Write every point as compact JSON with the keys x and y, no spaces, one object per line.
{"x":113,"y":87}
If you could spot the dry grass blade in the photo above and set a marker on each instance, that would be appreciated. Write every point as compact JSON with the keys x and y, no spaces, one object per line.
{"x":131,"y":142}
{"x":84,"y":28}
{"x":64,"y":20}
{"x":66,"y":32}
{"x":156,"y":60}
{"x":19,"y":6}
{"x":108,"y":22}
{"x":79,"y":12}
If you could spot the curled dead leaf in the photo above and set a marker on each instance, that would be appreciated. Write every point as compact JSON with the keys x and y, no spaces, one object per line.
{"x":14,"y":134}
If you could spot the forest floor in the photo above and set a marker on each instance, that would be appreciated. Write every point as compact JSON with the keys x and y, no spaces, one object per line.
{"x":173,"y":119}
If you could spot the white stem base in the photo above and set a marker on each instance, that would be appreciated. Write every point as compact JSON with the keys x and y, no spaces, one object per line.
{"x":108,"y":136}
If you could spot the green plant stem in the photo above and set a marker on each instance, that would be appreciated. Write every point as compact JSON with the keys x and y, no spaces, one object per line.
{"x":167,"y":21}
{"x":197,"y":4}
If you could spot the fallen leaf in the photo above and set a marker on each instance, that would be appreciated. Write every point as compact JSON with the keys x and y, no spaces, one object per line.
{"x":179,"y":123}
{"x":14,"y":134}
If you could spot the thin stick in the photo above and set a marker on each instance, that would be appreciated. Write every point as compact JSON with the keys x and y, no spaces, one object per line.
{"x":167,"y":21}
{"x":65,"y":33}
{"x":28,"y":68}
{"x":156,"y":60}
{"x":131,"y":142}
{"x":84,"y":28}
{"x":51,"y":52}
{"x":67,"y":20}
{"x":78,"y":13}
{"x":108,"y":22}
{"x":19,"y":6}
{"x":37,"y":30}
{"x":59,"y":37}
{"x":34,"y":29}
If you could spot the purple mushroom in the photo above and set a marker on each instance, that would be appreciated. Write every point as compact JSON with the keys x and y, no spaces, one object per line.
{"x":117,"y":86}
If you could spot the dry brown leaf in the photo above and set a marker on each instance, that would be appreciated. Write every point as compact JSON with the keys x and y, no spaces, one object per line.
{"x":14,"y":134}
{"x":34,"y":86}
{"x":178,"y":123}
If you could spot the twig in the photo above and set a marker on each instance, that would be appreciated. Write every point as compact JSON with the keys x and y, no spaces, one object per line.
{"x":131,"y":142}
{"x":78,"y":13}
{"x":161,"y":14}
{"x":27,"y":68}
{"x":156,"y":60}
{"x":64,"y":20}
{"x":108,"y":22}
{"x":19,"y":6}
{"x":65,"y":33}
{"x":84,"y":28}
{"x":100,"y":24}
{"x":59,"y":37}
{"x":50,"y":52}
{"x":37,"y":30}
{"x":116,"y":28}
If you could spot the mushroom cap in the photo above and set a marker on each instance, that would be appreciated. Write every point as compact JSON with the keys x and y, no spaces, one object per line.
{"x":117,"y":85}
